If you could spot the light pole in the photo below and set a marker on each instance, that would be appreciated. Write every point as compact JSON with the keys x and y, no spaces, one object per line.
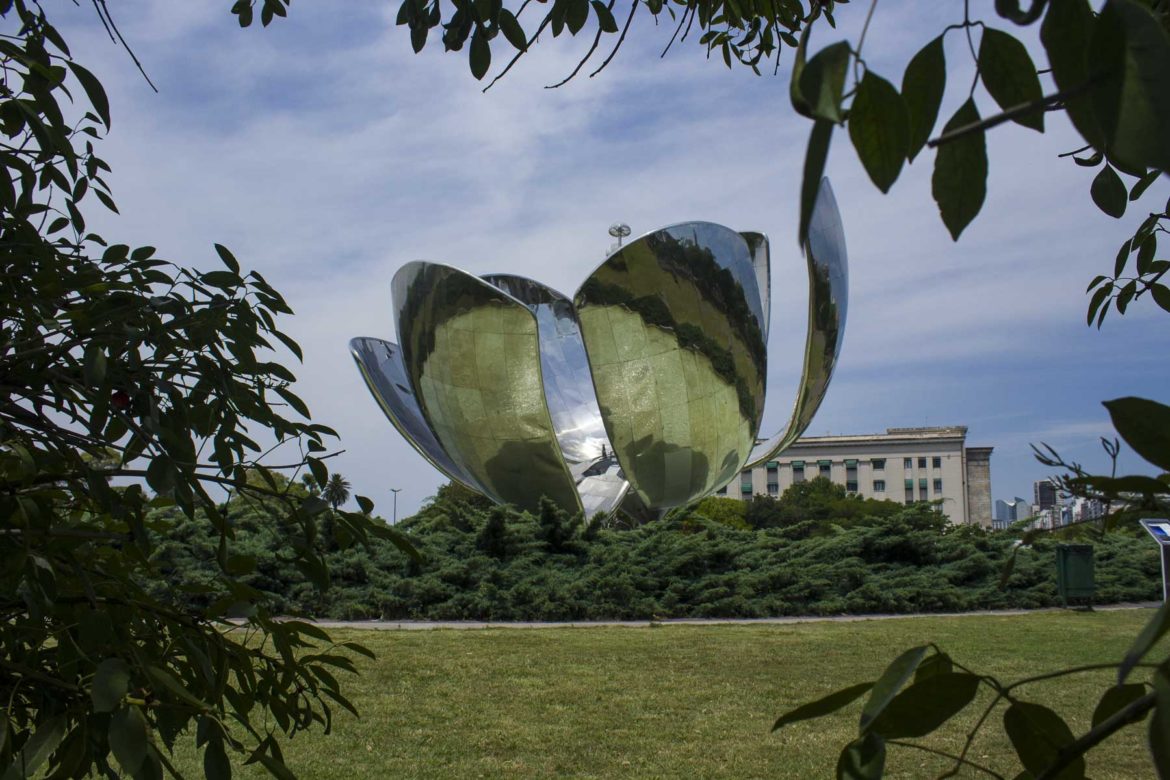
{"x":395,"y":491}
{"x":618,"y":230}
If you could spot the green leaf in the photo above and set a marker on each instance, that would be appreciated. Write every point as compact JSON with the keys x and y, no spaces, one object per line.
{"x":1066,"y":33}
{"x":1141,"y":185}
{"x":93,"y":90}
{"x":111,"y":681}
{"x":228,"y":258}
{"x":576,"y":14}
{"x":926,"y":705}
{"x":1154,"y":630}
{"x":880,"y":129}
{"x":1122,"y":258}
{"x":365,"y":504}
{"x":800,"y":103}
{"x":128,"y":738}
{"x":479,"y":55}
{"x":319,"y":470}
{"x":1132,"y":101}
{"x":1009,"y":75}
{"x":93,"y":368}
{"x":900,"y":670}
{"x":923,"y":85}
{"x":1160,"y":724}
{"x":862,"y":759}
{"x":1161,"y":295}
{"x":938,"y":663}
{"x":822,"y":81}
{"x":512,"y":30}
{"x":1146,"y":252}
{"x":44,"y":740}
{"x":1115,"y":700}
{"x":1145,"y":426}
{"x":959,"y":184}
{"x":605,"y":20}
{"x":814,"y":170}
{"x":823,"y":706}
{"x":1037,"y":733}
{"x":160,"y":474}
{"x":1108,"y":192}
{"x":215,"y":761}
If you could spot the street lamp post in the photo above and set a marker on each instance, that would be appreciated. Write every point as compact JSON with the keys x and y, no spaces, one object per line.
{"x":395,"y":491}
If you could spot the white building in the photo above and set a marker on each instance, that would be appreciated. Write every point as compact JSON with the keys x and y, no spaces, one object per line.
{"x":903,"y":464}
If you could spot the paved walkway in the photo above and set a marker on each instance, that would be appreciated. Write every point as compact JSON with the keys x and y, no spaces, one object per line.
{"x":423,"y":625}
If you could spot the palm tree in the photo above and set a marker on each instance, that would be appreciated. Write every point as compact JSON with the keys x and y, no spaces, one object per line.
{"x":336,"y":490}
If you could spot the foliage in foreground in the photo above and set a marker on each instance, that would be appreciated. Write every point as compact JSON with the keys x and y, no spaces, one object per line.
{"x":119,"y":367}
{"x":811,"y":556}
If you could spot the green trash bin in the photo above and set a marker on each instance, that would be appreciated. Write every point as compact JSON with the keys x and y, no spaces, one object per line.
{"x":1075,"y":578}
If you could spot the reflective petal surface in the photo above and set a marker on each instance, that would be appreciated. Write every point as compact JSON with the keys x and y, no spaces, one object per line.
{"x":568,"y":389}
{"x":828,"y":304}
{"x":380,"y":364}
{"x":761,"y":262}
{"x":472,"y":355}
{"x":673,"y":326}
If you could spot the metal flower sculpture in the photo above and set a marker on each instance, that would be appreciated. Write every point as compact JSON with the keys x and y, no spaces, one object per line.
{"x":643,"y":391}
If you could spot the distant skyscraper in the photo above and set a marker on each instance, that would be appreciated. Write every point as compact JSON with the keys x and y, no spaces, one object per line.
{"x":1046,"y":495}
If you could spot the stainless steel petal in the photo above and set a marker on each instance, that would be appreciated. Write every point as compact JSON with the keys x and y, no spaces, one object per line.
{"x":761,"y":261}
{"x":380,"y":364}
{"x":673,"y":328}
{"x":828,"y":304}
{"x":472,"y":354}
{"x":568,"y":389}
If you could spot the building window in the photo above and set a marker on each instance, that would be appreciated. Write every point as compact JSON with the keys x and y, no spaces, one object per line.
{"x":851,"y":486}
{"x":745,"y":489}
{"x":922,"y":490}
{"x":879,"y":464}
{"x":879,"y":486}
{"x":722,"y":491}
{"x":937,"y":486}
{"x":798,"y":471}
{"x":773,"y":488}
{"x":922,"y":463}
{"x":909,"y":495}
{"x":936,"y":462}
{"x":907,"y":463}
{"x":826,"y":468}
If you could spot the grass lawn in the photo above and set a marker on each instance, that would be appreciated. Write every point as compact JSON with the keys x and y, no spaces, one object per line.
{"x":682,"y":701}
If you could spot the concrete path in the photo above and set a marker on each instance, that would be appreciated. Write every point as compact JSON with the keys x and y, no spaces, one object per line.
{"x":424,"y":625}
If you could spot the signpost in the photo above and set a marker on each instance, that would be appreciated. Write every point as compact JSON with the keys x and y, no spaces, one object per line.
{"x":1160,"y":530}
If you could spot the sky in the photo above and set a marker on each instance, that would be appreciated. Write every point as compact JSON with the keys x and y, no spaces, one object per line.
{"x":326,"y":154}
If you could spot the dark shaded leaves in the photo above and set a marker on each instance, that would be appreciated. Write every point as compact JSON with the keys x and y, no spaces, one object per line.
{"x":959,"y":184}
{"x":926,"y":705}
{"x":110,"y":683}
{"x":823,"y":706}
{"x":1108,"y":192}
{"x":1145,"y":426}
{"x":900,"y":670}
{"x":1037,"y":733}
{"x":128,"y":738}
{"x":923,"y":85}
{"x":814,"y":170}
{"x":862,"y":759}
{"x":1009,"y":75}
{"x":880,"y":129}
{"x":822,"y":81}
{"x":1115,"y":700}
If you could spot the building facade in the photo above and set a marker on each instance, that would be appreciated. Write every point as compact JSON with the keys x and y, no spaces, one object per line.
{"x":906,"y":465}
